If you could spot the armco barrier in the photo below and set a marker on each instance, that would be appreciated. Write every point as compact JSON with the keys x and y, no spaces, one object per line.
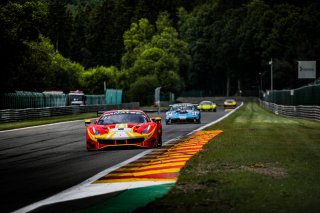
{"x":9,"y":115}
{"x":310,"y":112}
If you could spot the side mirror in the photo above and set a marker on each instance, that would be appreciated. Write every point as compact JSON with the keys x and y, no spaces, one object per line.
{"x":156,"y":119}
{"x":87,"y":122}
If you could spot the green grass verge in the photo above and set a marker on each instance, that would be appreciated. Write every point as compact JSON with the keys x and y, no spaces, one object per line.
{"x":42,"y":121}
{"x":260,"y":163}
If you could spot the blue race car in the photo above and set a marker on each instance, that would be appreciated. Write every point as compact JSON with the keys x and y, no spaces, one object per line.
{"x":183,"y":112}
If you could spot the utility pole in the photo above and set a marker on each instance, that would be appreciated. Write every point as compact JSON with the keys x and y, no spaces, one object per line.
{"x":271,"y":63}
{"x":157,"y":98}
{"x":239,"y":88}
{"x":228,"y":85}
{"x":260,"y":90}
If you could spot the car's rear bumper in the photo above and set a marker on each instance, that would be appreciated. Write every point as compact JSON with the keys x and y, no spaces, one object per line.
{"x":230,"y":105}
{"x":186,"y":120}
{"x":207,"y":110}
{"x":102,"y":144}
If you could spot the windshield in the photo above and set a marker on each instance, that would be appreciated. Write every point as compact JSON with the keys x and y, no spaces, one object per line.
{"x":119,"y":118}
{"x":76,"y":97}
{"x":206,"y":103}
{"x":229,"y":100}
{"x":182,"y":107}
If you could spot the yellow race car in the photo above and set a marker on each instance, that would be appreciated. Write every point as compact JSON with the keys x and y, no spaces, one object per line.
{"x":229,"y":103}
{"x":207,"y":106}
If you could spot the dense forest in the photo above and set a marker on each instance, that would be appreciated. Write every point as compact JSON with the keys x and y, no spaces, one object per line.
{"x":214,"y":46}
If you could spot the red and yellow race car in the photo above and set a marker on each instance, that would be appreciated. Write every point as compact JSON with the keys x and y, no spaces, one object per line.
{"x":124,"y":128}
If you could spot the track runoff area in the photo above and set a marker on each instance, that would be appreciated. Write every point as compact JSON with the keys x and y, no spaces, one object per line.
{"x":138,"y":180}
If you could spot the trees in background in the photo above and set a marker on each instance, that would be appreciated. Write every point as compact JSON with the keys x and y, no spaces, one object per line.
{"x":154,"y":57}
{"x":60,"y":26}
{"x":232,"y":43}
{"x":93,"y":80}
{"x":50,"y":70}
{"x":106,"y":25}
{"x":217,"y":46}
{"x":20,"y":22}
{"x":101,"y":26}
{"x":294,"y":36}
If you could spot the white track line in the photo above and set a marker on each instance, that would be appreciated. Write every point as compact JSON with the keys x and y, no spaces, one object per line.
{"x":31,"y":127}
{"x":216,"y":121}
{"x":87,"y":189}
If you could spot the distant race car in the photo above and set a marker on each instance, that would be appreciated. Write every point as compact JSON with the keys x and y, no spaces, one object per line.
{"x":229,"y":103}
{"x":183,"y":112}
{"x":207,"y":106}
{"x":124,"y":128}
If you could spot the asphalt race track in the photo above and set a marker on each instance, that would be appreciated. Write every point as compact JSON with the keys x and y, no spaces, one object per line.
{"x":38,"y":162}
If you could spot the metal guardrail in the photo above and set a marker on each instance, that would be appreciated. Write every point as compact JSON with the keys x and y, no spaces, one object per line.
{"x":9,"y":115}
{"x":301,"y":111}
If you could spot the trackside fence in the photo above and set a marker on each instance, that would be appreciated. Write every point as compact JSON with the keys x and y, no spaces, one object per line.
{"x":113,"y":96}
{"x":303,"y":102}
{"x":9,"y":115}
{"x":95,"y":99}
{"x":301,"y":111}
{"x":307,"y":95}
{"x":22,"y":100}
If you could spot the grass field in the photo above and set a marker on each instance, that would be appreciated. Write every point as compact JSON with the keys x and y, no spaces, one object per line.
{"x":261,"y":163}
{"x":41,"y":121}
